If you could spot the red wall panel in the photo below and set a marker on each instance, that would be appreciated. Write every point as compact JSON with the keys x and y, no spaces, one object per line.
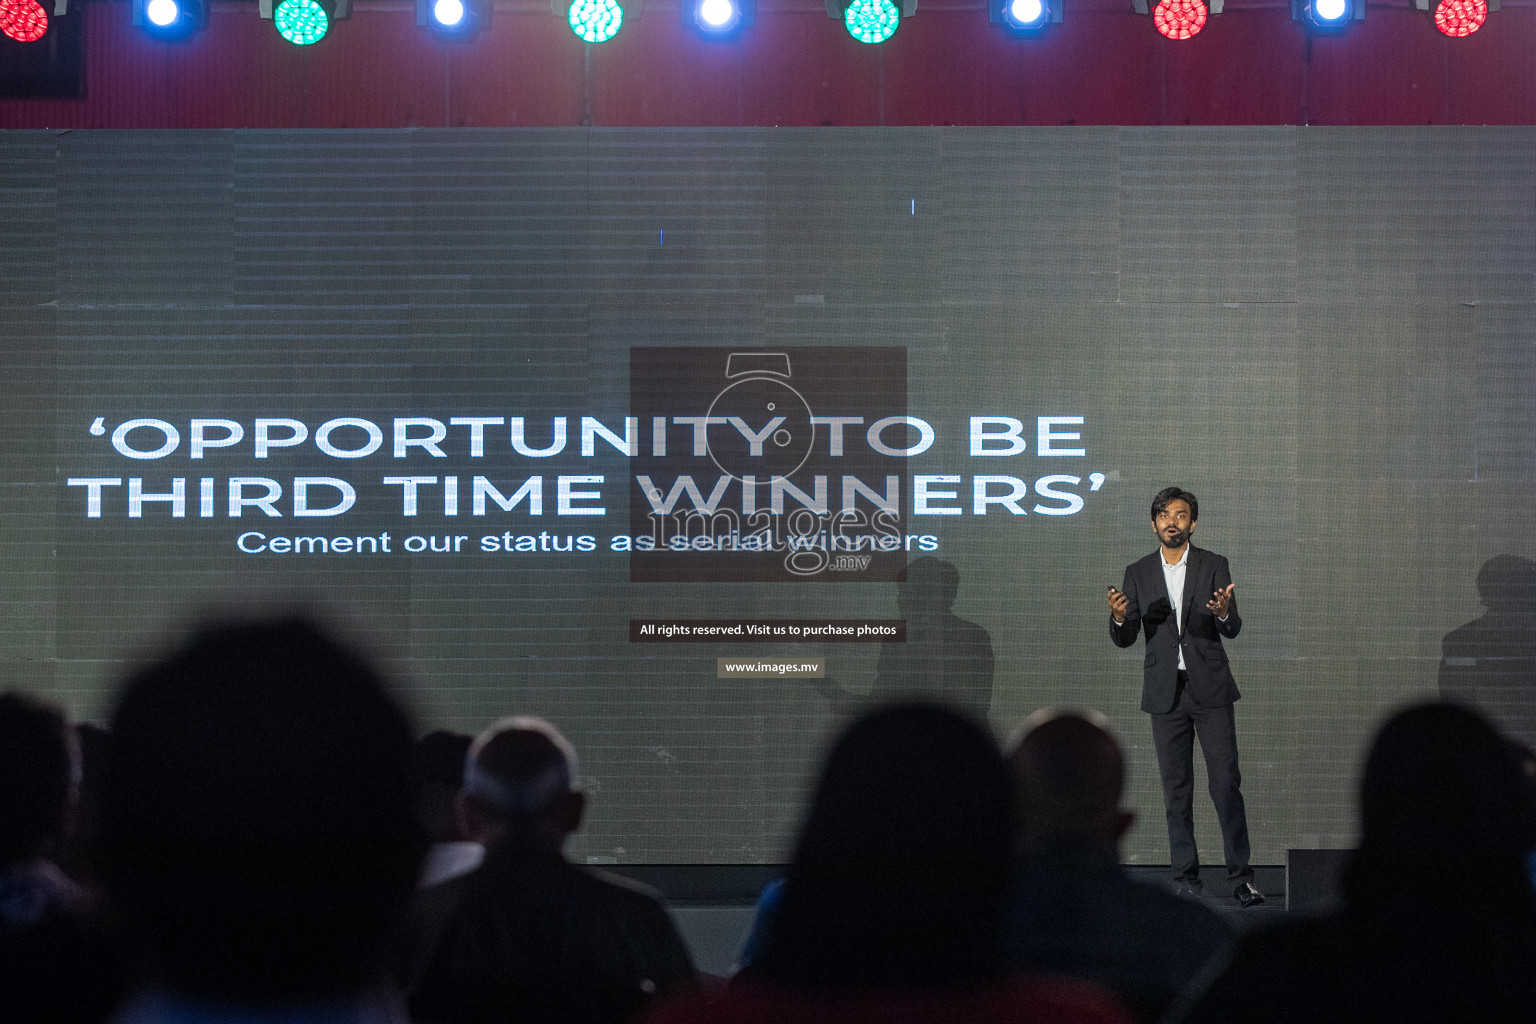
{"x":1390,"y":69}
{"x":656,"y":73}
{"x":805,"y":70}
{"x":1492,"y":75}
{"x":1245,"y":67}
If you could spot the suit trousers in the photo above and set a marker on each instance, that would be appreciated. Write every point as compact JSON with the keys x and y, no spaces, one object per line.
{"x":1173,"y":734}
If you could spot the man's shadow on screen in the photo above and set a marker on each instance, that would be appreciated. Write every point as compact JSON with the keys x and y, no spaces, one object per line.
{"x":945,"y":657}
{"x":1490,"y":663}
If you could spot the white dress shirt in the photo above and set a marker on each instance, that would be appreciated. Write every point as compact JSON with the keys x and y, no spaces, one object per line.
{"x":1173,"y":576}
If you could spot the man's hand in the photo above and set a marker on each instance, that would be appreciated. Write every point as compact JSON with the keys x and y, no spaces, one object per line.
{"x":1221,"y":601}
{"x":1118,"y":602}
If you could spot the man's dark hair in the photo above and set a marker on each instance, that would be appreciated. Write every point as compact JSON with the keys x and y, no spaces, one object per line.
{"x":439,"y":757}
{"x":1068,"y":775}
{"x":1163,"y":498}
{"x":899,"y":874}
{"x":258,"y":831}
{"x":35,"y":774}
{"x":1439,"y":779}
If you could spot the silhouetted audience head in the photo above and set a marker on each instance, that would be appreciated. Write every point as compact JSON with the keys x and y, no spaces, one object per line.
{"x":438,"y":765}
{"x":37,"y":769}
{"x":1441,"y":787}
{"x":520,"y":786}
{"x":258,"y":829}
{"x":900,"y":869}
{"x":1068,"y":775}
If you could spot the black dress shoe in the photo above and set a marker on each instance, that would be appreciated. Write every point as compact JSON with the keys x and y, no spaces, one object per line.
{"x":1187,"y":887}
{"x":1247,"y":895}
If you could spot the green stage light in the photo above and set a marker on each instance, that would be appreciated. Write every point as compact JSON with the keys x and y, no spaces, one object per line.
{"x":301,"y":22}
{"x":595,"y":21}
{"x":872,"y":21}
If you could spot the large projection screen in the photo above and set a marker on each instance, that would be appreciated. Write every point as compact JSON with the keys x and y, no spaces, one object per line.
{"x":237,"y":361}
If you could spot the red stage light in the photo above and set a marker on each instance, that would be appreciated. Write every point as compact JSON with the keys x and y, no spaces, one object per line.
{"x":1180,"y":19}
{"x":23,"y":20}
{"x":1460,"y":17}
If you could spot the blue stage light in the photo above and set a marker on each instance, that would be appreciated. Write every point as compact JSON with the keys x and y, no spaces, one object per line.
{"x":1025,"y":17}
{"x":1026,"y":13}
{"x":454,"y":19}
{"x":169,"y":19}
{"x":1327,"y":16}
{"x":717,"y":18}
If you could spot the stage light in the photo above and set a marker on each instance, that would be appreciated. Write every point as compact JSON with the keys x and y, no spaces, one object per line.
{"x":595,"y":21}
{"x":871,"y":21}
{"x":1026,"y":13}
{"x":1460,"y":18}
{"x":717,"y":18}
{"x":25,"y":21}
{"x":42,"y":50}
{"x":1179,"y":19}
{"x":1025,"y":17}
{"x":301,"y":22}
{"x":1327,"y":16}
{"x":169,"y":19}
{"x":454,"y":19}
{"x":304,"y":22}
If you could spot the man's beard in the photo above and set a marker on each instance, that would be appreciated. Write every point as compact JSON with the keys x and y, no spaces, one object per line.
{"x":1178,"y":539}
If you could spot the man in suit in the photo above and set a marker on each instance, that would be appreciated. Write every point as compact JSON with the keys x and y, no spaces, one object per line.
{"x":1184,"y":599}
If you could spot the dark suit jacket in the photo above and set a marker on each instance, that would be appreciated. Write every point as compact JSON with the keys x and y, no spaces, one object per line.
{"x":1210,"y":678}
{"x":533,"y":939}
